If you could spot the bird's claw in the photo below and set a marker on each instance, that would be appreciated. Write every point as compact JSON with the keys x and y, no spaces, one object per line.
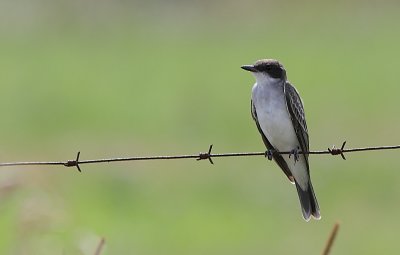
{"x":295,"y":153}
{"x":269,"y":154}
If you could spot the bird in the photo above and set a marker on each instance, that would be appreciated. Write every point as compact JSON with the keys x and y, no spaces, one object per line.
{"x":278,"y":112}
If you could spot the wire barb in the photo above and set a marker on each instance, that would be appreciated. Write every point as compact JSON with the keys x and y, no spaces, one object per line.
{"x":75,"y":162}
{"x":206,"y":155}
{"x":337,"y":151}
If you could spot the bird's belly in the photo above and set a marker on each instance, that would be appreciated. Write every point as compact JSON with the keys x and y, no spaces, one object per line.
{"x":277,"y":126}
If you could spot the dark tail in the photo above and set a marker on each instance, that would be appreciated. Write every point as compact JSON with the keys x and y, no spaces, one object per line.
{"x":308,"y":201}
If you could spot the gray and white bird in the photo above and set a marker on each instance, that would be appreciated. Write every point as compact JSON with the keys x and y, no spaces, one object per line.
{"x":278,"y":111}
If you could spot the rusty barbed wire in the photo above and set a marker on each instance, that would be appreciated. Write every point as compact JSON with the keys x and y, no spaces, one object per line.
{"x":200,"y":156}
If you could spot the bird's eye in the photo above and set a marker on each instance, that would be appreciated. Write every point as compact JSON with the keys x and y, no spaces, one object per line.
{"x":275,"y":72}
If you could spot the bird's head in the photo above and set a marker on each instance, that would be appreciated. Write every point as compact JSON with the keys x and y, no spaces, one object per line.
{"x":266,"y":68}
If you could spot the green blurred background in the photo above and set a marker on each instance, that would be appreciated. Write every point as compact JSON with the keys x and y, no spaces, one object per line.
{"x":125,"y":78}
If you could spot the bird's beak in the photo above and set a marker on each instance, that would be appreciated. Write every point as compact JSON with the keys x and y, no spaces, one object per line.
{"x":249,"y":68}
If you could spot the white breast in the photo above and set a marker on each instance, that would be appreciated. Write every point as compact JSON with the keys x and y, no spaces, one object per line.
{"x":273,"y":116}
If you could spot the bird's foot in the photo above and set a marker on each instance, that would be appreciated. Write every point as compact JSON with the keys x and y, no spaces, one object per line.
{"x":269,"y":154}
{"x":295,"y":153}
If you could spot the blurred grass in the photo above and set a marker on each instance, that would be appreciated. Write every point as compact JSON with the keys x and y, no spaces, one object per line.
{"x":141,"y":79}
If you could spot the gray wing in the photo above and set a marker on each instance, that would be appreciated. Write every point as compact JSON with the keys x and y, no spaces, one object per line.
{"x":277,"y":157}
{"x":296,"y":111}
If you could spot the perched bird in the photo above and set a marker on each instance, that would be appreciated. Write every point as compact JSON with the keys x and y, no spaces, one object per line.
{"x":278,"y":111}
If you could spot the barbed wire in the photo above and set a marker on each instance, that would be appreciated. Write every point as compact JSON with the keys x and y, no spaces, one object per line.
{"x":200,"y":156}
